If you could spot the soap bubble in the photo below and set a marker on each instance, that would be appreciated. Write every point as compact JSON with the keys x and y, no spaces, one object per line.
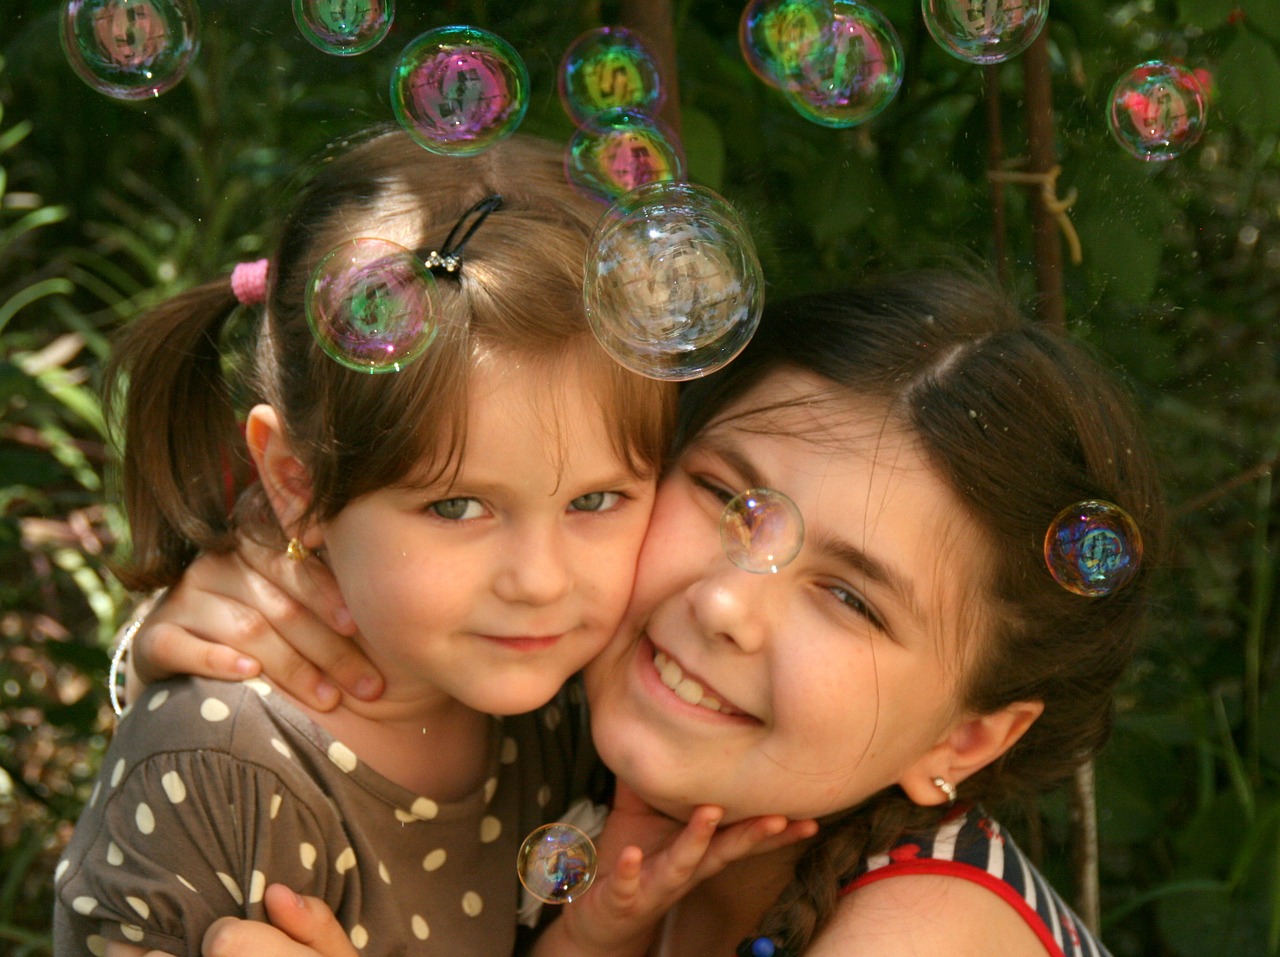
{"x":370,"y":305}
{"x":854,"y":72}
{"x":344,"y":27}
{"x":609,"y":68}
{"x":1092,"y":548}
{"x":673,"y":289}
{"x":557,"y":863}
{"x":620,"y":150}
{"x":459,"y":90}
{"x":131,"y":49}
{"x":777,"y":36}
{"x":1157,"y":110}
{"x":985,"y":31}
{"x":761,"y":530}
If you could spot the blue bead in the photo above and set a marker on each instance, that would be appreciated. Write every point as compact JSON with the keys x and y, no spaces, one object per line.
{"x":763,"y":947}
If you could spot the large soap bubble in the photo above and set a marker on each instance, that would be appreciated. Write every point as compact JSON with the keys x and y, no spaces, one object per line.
{"x":458,"y":90}
{"x":344,"y":27}
{"x":609,"y":68}
{"x":557,"y":863}
{"x":761,"y":530}
{"x":131,"y":49}
{"x":1157,"y":110}
{"x":673,"y":289}
{"x":854,"y":72}
{"x":619,"y":151}
{"x":985,"y":31}
{"x":370,"y":305}
{"x":777,"y":37}
{"x":1093,"y":548}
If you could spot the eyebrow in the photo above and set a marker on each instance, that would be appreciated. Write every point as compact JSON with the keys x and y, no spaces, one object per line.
{"x":829,"y":546}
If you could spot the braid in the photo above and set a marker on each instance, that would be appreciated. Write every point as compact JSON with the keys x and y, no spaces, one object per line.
{"x":808,"y":903}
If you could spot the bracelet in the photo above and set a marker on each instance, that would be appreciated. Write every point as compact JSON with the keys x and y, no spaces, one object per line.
{"x":115,"y":677}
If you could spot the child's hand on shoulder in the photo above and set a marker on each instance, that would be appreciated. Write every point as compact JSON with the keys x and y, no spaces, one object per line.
{"x":648,"y":862}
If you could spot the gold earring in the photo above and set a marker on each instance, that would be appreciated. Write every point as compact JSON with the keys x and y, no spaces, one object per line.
{"x":296,"y":551}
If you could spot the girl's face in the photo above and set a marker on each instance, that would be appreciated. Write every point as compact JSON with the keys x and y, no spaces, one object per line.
{"x":805,"y":691}
{"x":493,"y":586}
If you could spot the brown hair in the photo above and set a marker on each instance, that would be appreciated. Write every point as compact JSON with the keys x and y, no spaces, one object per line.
{"x":519,"y":292}
{"x":1021,"y":422}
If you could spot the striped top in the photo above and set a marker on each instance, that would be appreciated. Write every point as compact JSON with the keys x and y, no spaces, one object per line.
{"x":971,"y":846}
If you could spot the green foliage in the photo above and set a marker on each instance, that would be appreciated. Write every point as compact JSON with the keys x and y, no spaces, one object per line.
{"x":107,"y":207}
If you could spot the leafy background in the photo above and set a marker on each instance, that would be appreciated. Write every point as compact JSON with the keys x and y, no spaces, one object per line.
{"x":107,"y":207}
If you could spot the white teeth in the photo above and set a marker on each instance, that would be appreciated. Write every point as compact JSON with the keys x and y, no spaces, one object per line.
{"x":686,"y":689}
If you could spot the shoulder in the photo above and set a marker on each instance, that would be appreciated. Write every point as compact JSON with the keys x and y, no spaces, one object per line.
{"x":926,"y":913}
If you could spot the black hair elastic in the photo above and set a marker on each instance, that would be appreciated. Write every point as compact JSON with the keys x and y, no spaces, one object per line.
{"x":448,"y":259}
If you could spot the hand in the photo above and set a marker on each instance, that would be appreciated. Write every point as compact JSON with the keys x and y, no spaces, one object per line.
{"x":300,"y":927}
{"x":234,"y":615}
{"x":652,"y":862}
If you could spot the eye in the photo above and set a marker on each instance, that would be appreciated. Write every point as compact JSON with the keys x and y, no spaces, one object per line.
{"x":713,"y":488}
{"x":853,"y":601}
{"x":456,"y":509}
{"x":595,"y":502}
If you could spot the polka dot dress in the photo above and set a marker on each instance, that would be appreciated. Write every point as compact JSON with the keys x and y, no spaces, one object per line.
{"x":211,"y":791}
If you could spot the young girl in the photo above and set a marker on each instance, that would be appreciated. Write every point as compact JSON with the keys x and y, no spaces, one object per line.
{"x":914,"y":664}
{"x":480,"y":511}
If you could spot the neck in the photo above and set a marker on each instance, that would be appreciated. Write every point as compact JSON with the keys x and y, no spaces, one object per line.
{"x":431,"y":745}
{"x":722,"y":910}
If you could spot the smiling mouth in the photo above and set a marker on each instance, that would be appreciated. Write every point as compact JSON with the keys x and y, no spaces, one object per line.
{"x":685,"y":688}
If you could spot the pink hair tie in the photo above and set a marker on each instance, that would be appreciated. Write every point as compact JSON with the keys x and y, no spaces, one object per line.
{"x":249,"y":282}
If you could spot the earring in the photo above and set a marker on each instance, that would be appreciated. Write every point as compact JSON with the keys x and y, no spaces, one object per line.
{"x":947,"y":788}
{"x":296,"y":551}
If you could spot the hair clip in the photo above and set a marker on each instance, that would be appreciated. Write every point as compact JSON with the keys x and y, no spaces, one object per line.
{"x":448,"y":258}
{"x":249,"y":282}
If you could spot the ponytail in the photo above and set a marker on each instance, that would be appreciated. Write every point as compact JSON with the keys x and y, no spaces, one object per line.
{"x":185,"y":451}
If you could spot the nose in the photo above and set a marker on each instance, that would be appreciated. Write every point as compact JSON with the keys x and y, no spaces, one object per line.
{"x":533,"y":567}
{"x":733,"y":605}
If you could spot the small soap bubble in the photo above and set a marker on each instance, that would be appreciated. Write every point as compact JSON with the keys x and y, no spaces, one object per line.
{"x":370,"y":305}
{"x":761,"y":530}
{"x":557,"y":863}
{"x":619,"y":151}
{"x":777,"y":37}
{"x":673,"y":288}
{"x":131,"y":49}
{"x":344,"y":27}
{"x":458,"y":90}
{"x":609,"y":68}
{"x":854,"y":71}
{"x":1157,"y":111}
{"x":1093,"y":548}
{"x":985,"y":31}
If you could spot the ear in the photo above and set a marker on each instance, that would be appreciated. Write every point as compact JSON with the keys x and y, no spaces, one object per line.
{"x":284,"y":477}
{"x":972,"y":742}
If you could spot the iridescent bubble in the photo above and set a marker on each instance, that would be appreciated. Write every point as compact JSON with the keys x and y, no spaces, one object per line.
{"x":557,"y":863}
{"x":459,"y":90}
{"x":985,"y":31}
{"x":609,"y":68}
{"x":1093,"y":548}
{"x":131,"y":49}
{"x":761,"y":530}
{"x":620,"y":150}
{"x":854,"y":72}
{"x":344,"y":27}
{"x":370,"y":305}
{"x":673,"y":288}
{"x":1157,"y":111}
{"x":778,"y":36}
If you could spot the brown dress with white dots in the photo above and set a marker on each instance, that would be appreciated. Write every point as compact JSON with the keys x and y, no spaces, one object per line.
{"x":213,"y":790}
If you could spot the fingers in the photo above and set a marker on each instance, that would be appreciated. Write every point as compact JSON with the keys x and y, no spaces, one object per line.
{"x":307,"y":920}
{"x":752,"y":837}
{"x":300,"y":927}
